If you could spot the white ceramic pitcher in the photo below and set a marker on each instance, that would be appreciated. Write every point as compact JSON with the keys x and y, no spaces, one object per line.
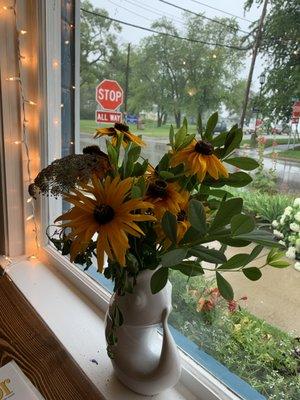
{"x":143,"y":360}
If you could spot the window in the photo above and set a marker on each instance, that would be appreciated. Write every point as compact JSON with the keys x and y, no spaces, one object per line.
{"x":165,"y":79}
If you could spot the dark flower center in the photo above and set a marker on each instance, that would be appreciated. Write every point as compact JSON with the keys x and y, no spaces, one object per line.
{"x":204,"y":147}
{"x":181,"y":216}
{"x":103,"y":214}
{"x":122,"y":127}
{"x":158,"y":188}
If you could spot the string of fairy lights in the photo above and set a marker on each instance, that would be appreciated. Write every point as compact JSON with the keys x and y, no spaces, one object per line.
{"x":25,"y":105}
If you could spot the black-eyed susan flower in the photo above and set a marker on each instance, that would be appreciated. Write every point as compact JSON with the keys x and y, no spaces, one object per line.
{"x":118,"y":130}
{"x":164,"y":196}
{"x":199,"y":158}
{"x":104,"y":208}
{"x":183,"y":223}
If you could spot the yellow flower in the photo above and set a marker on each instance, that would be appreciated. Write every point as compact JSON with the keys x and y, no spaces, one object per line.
{"x":199,"y":159}
{"x":118,"y":130}
{"x":164,"y":196}
{"x":182,"y":221}
{"x":105,"y":210}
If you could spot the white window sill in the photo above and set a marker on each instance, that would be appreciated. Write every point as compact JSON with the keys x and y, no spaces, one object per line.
{"x":79,"y":325}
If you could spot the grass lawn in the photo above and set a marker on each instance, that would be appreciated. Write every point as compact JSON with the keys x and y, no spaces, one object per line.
{"x":292,"y":154}
{"x":89,"y":126}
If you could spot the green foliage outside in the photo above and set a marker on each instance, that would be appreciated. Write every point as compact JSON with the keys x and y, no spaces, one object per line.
{"x":264,"y":356}
{"x":264,"y":206}
{"x":280,"y":46}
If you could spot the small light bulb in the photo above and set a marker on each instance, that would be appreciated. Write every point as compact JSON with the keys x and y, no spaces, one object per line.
{"x":13,"y":78}
{"x":67,"y":41}
{"x":71,"y":142}
{"x":214,"y":56}
{"x":32,"y":103}
{"x":32,"y":257}
{"x":74,"y":87}
{"x":61,"y":106}
{"x":55,"y":121}
{"x":30,"y":217}
{"x":29,"y":200}
{"x":23,"y":32}
{"x":5,"y":8}
{"x":71,"y":26}
{"x":55,"y":64}
{"x":17,"y":142}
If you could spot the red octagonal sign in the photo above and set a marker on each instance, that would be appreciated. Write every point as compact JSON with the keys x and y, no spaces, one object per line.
{"x":109,"y":94}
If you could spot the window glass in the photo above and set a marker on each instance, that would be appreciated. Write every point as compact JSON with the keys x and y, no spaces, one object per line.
{"x":181,"y":60}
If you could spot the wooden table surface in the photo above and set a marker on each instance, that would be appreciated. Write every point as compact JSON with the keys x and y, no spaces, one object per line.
{"x":25,"y":338}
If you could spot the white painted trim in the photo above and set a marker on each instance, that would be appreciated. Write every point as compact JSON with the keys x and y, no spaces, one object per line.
{"x":52,"y":10}
{"x":77,"y":77}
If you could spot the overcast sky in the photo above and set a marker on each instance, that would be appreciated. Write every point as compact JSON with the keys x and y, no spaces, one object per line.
{"x":144,"y":12}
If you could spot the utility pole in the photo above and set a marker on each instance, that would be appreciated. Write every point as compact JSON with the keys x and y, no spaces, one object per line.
{"x":254,"y":55}
{"x":127,"y":78}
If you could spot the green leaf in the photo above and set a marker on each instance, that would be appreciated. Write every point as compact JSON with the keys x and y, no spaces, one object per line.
{"x":112,"y":153}
{"x":166,"y":174}
{"x":220,"y":193}
{"x":233,"y":140}
{"x":189,"y":268}
{"x":190,"y":236}
{"x":219,"y":140}
{"x":180,"y":135}
{"x":139,"y":169}
{"x":209,"y":255}
{"x":274,"y":255}
{"x":210,"y":126}
{"x":261,"y":237}
{"x":252,"y":273}
{"x":224,"y":287}
{"x":169,"y":225}
{"x":197,"y":216}
{"x":136,"y":192}
{"x":226,"y":211}
{"x":245,"y":163}
{"x":173,"y":257}
{"x":236,"y":179}
{"x":159,"y":280}
{"x":255,"y":252}
{"x":280,"y":264}
{"x":241,"y":224}
{"x":236,"y":261}
{"x":233,"y":242}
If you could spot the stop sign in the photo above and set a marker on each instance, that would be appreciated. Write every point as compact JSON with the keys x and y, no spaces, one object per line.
{"x":109,"y":94}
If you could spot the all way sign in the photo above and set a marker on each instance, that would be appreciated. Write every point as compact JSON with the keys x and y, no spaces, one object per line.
{"x":109,"y":95}
{"x":108,"y":117}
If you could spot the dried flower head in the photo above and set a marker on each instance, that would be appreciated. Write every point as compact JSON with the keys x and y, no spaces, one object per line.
{"x":64,"y":174}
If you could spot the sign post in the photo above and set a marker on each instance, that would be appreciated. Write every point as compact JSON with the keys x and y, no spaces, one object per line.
{"x":109,"y":95}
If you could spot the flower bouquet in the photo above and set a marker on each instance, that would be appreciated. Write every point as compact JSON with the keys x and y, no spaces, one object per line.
{"x":136,"y":219}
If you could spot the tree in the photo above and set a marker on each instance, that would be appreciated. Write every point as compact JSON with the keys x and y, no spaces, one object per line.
{"x":186,"y":77}
{"x":280,"y":46}
{"x":98,"y":49}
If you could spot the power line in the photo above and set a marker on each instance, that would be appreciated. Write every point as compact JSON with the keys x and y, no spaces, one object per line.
{"x":132,"y":12}
{"x":222,"y":11}
{"x":153,"y":10}
{"x":202,"y":16}
{"x":164,"y":33}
